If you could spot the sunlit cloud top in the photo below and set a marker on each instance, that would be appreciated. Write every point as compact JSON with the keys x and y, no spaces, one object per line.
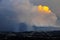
{"x":44,"y":9}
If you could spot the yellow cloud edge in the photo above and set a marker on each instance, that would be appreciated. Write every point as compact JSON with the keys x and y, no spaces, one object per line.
{"x":44,"y":9}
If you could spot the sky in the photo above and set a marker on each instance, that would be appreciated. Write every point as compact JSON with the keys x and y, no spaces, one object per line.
{"x":14,"y":12}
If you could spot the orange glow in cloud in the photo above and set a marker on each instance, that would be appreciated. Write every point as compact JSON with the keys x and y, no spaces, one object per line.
{"x":44,"y":9}
{"x":40,"y":7}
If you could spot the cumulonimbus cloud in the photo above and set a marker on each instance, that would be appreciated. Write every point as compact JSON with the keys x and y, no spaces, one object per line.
{"x":31,"y":16}
{"x":28,"y":13}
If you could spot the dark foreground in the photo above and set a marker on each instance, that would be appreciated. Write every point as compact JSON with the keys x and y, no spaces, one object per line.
{"x":51,"y":35}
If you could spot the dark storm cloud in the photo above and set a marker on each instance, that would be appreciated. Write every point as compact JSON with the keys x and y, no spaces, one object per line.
{"x":8,"y":19}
